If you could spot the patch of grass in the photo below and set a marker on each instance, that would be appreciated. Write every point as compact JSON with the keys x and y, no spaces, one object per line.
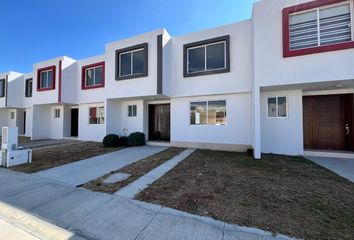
{"x":54,"y":156}
{"x":136,"y":170}
{"x":281,"y":194}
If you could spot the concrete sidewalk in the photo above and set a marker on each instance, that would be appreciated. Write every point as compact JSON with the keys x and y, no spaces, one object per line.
{"x":342,"y":166}
{"x":83,"y":171}
{"x":94,"y":215}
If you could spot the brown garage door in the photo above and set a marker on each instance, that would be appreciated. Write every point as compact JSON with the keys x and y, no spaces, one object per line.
{"x":328,"y":122}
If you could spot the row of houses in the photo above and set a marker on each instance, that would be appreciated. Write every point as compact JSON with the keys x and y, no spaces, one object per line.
{"x":280,"y":82}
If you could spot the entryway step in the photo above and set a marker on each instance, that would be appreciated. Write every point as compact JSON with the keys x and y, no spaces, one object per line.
{"x":329,"y":154}
{"x":131,"y":190}
{"x":158,"y":143}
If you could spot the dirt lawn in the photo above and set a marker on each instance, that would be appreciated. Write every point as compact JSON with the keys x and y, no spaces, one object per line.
{"x":288,"y":195}
{"x":136,"y":170}
{"x":54,"y":156}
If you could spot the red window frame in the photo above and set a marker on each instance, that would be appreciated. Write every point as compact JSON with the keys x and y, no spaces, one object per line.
{"x":286,"y":33}
{"x":83,"y":76}
{"x":39,"y":71}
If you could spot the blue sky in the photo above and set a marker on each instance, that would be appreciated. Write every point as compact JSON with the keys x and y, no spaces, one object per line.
{"x":37,"y":30}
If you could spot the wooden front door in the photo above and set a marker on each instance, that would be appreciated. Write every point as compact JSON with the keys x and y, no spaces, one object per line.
{"x":328,"y":122}
{"x":159,"y":122}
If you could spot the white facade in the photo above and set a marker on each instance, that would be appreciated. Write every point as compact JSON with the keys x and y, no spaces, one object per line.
{"x":259,"y":72}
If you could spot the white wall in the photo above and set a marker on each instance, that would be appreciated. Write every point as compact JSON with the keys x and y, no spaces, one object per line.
{"x":29,"y":122}
{"x":237,"y":80}
{"x":144,"y":86}
{"x":237,"y":130}
{"x":45,"y":125}
{"x":90,"y":132}
{"x":89,"y":95}
{"x":69,"y":78}
{"x":270,"y":66}
{"x":118,"y":117}
{"x":283,"y":135}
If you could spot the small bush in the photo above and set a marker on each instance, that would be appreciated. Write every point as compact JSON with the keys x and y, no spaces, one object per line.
{"x":111,"y":140}
{"x":136,"y":139}
{"x":250,"y":152}
{"x":123,"y":141}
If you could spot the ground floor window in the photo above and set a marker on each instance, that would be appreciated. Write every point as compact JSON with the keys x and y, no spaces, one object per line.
{"x":96,"y":115}
{"x":132,"y":111}
{"x":208,"y":113}
{"x":277,"y":107}
{"x":57,"y":113}
{"x":12,"y":115}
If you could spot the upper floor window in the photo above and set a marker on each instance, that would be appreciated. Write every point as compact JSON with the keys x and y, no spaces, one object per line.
{"x":318,"y":26}
{"x":96,"y":115}
{"x":2,"y":87}
{"x":208,"y":113}
{"x":28,"y":87}
{"x":93,"y":76}
{"x":207,"y":57}
{"x":46,"y":78}
{"x":132,"y":62}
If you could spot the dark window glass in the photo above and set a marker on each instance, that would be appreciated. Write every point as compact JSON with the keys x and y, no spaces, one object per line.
{"x":198,"y":113}
{"x":215,"y":56}
{"x":217,"y":112}
{"x":138,"y":62}
{"x":28,"y":90}
{"x":50,"y":79}
{"x":89,"y":77}
{"x":44,"y":79}
{"x":98,"y":75}
{"x":196,"y":59}
{"x":125,"y":64}
{"x":2,"y":88}
{"x":132,"y":111}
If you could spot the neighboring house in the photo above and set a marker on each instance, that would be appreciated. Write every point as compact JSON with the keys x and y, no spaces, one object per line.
{"x":281,"y":82}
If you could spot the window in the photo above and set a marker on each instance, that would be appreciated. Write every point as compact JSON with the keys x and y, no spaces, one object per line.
{"x":2,"y":87}
{"x":46,"y":78}
{"x":132,"y":111}
{"x":208,"y":113}
{"x":28,"y":87}
{"x":132,"y":62}
{"x":93,"y":76}
{"x":12,"y":115}
{"x":96,"y":115}
{"x":314,"y":27}
{"x":277,"y":107}
{"x":57,"y":113}
{"x":207,"y":57}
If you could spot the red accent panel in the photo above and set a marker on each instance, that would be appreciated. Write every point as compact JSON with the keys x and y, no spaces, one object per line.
{"x":286,"y":34}
{"x":93,"y":112}
{"x":60,"y":78}
{"x":39,"y":89}
{"x":83,"y":71}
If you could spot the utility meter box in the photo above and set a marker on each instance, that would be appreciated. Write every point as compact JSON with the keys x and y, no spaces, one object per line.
{"x":10,"y":154}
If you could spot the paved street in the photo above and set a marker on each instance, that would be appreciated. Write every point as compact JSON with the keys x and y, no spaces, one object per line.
{"x":80,"y":213}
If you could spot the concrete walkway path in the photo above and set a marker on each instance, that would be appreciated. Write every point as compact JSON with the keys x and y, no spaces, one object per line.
{"x":83,"y":171}
{"x":93,"y":215}
{"x":342,"y":166}
{"x":131,"y":190}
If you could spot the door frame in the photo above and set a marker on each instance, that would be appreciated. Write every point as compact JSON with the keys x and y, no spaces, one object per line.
{"x":151,"y":116}
{"x":348,"y":108}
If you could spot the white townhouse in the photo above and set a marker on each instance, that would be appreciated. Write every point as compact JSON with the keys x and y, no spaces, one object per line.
{"x":281,"y":82}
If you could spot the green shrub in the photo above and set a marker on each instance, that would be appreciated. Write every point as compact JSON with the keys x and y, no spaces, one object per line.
{"x":123,"y":141}
{"x":111,"y":140}
{"x":250,"y":152}
{"x":136,"y":139}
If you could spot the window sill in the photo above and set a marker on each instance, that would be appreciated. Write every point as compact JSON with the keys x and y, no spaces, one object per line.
{"x":92,"y":87}
{"x":45,"y":89}
{"x":140,"y":75}
{"x":321,"y":49}
{"x":225,"y":70}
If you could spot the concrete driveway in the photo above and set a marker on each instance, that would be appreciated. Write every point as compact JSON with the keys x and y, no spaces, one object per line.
{"x":342,"y":166}
{"x":83,"y":171}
